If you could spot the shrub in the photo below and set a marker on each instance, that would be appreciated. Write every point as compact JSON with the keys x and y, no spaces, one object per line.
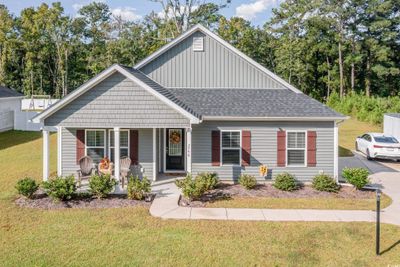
{"x":137,"y":188}
{"x":285,"y":181}
{"x":191,"y":188}
{"x":247,"y":181}
{"x":60,"y":188}
{"x":101,"y":185}
{"x":356,"y":176}
{"x":323,"y":182}
{"x":208,"y":180}
{"x":27,"y":187}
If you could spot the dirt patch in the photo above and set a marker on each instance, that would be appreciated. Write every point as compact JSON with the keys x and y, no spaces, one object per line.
{"x":42,"y":201}
{"x":228,"y":191}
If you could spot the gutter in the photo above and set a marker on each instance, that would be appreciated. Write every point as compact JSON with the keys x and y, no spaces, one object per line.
{"x":228,"y":118}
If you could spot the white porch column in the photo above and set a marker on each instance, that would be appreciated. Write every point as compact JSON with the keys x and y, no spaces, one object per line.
{"x":189,"y":150}
{"x":45,"y":154}
{"x":59,"y":151}
{"x":154,"y":154}
{"x":336,"y":152}
{"x":116,"y":153}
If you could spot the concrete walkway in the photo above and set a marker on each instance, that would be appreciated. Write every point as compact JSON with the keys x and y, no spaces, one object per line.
{"x":166,"y":206}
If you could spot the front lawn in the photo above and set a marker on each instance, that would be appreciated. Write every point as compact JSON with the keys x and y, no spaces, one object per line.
{"x":300,"y":203}
{"x":348,"y":132}
{"x":131,"y":237}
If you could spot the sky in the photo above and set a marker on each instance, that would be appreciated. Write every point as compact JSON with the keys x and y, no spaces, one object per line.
{"x":256,"y":11}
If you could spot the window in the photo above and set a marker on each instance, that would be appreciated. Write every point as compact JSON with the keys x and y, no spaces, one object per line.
{"x":198,"y":44}
{"x":230,"y":147}
{"x":95,"y":145}
{"x":123,"y":144}
{"x":296,"y":148}
{"x":386,"y":139}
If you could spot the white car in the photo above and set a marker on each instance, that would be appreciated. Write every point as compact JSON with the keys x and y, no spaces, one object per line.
{"x":378,"y":145}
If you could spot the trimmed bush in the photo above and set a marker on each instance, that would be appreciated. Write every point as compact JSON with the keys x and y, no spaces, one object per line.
{"x":27,"y":187}
{"x":101,"y":185}
{"x":323,"y":182}
{"x":208,"y":180}
{"x":137,"y":188}
{"x":356,"y":176}
{"x":60,"y":188}
{"x":285,"y":181}
{"x":247,"y":181}
{"x":191,"y":188}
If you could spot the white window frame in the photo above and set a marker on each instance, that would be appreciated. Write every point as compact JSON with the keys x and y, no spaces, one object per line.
{"x":222,"y":148}
{"x":305,"y":148}
{"x":105,"y":140}
{"x":109,"y":142}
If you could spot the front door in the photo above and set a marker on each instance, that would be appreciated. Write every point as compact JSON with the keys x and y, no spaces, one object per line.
{"x":174,"y":149}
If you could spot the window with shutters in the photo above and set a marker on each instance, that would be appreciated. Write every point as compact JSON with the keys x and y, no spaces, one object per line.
{"x":296,"y":148}
{"x":95,"y":144}
{"x":123,"y":144}
{"x":230,"y":147}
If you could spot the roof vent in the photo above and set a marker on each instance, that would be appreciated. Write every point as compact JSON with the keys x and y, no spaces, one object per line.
{"x":198,"y":44}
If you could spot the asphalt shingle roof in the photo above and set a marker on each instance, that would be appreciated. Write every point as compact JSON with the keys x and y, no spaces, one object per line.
{"x":252,"y":103}
{"x":240,"y":102}
{"x":7,"y":92}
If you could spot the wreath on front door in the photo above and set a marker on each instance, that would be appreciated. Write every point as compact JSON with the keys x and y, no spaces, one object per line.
{"x":175,"y":137}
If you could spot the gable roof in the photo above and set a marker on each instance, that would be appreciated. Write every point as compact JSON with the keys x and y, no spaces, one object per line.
{"x":8,"y":92}
{"x":204,"y":30}
{"x":257,"y":104}
{"x":132,"y":74}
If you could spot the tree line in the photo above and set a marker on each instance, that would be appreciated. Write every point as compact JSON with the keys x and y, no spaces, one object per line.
{"x":319,"y":46}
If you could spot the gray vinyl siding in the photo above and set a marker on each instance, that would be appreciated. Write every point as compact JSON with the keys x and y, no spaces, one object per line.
{"x":263,"y":148}
{"x":117,"y":102}
{"x":68,"y":151}
{"x":215,"y":67}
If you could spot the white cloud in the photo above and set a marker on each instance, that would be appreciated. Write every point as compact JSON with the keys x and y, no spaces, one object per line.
{"x":126,"y":13}
{"x":76,"y":7}
{"x":250,"y":11}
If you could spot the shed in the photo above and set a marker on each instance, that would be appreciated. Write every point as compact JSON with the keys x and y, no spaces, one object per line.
{"x":10,"y":103}
{"x":391,"y":124}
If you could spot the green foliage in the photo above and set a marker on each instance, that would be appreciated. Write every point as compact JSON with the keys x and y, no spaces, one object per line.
{"x":356,"y":176}
{"x":27,"y":187}
{"x":137,"y":188}
{"x":323,"y":182}
{"x":60,"y":188}
{"x":247,"y":181}
{"x":191,"y":189}
{"x":367,"y":109}
{"x":208,"y":180}
{"x":285,"y":181}
{"x":101,"y":185}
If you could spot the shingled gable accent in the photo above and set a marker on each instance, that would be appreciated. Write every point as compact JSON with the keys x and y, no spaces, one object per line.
{"x":162,"y":95}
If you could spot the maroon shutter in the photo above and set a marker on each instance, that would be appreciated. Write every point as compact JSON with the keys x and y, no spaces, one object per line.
{"x":80,"y":144}
{"x":215,"y":146}
{"x":134,"y":146}
{"x":311,"y":148}
{"x":281,"y":144}
{"x":246,"y":148}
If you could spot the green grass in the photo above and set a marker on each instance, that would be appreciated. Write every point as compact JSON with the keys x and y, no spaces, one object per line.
{"x":131,"y":237}
{"x":348,"y":132}
{"x":301,"y":203}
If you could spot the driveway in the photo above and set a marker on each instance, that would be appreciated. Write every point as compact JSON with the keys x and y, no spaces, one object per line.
{"x":374,"y":166}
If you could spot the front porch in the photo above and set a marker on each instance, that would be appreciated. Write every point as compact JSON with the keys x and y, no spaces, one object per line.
{"x":160,"y":154}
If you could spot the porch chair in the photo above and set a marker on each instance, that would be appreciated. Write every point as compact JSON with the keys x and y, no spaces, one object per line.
{"x":86,"y":170}
{"x":125,"y":169}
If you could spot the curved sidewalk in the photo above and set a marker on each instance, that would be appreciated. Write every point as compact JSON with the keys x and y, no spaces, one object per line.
{"x":166,"y":206}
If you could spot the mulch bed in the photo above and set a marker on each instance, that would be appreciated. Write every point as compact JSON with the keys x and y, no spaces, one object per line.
{"x":227,"y":191}
{"x":42,"y":201}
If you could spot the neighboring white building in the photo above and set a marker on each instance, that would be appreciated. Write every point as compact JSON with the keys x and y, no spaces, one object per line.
{"x":391,"y":124}
{"x":10,"y":104}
